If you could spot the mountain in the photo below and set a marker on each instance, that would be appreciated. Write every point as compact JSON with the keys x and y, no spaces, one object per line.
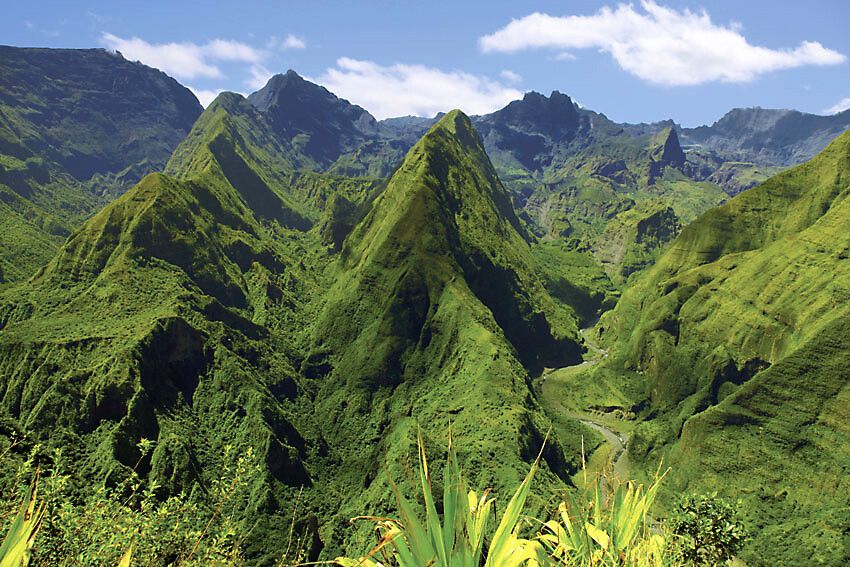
{"x":533,"y":142}
{"x":101,"y":118}
{"x":528,"y":131}
{"x":738,"y":337}
{"x":768,"y":137}
{"x":571,"y":170}
{"x":328,"y":133}
{"x":324,"y":125}
{"x":77,"y":127}
{"x":309,"y":286}
{"x":205,"y":309}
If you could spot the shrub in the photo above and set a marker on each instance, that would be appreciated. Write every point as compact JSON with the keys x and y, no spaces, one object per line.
{"x":709,"y":529}
{"x":613,"y":530}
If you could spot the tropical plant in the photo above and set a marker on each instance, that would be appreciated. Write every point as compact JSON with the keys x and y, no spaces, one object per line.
{"x":614,"y":530}
{"x":709,"y":529}
{"x":459,"y":537}
{"x":16,"y":548}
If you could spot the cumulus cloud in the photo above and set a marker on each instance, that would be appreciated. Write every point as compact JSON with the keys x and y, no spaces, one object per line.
{"x":401,"y":89}
{"x":184,"y":60}
{"x":840,"y":106}
{"x":658,"y":44}
{"x":293,"y":42}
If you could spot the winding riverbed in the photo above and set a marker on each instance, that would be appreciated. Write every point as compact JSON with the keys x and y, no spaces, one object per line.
{"x":616,"y":439}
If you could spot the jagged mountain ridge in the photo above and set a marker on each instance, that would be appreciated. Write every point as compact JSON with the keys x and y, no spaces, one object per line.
{"x":224,"y":324}
{"x":560,"y":162}
{"x":768,"y":137}
{"x":571,"y":170}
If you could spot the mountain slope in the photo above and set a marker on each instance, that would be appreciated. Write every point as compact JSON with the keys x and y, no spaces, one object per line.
{"x":327,"y":133}
{"x":738,"y":331}
{"x":204,"y":309}
{"x":435,"y":318}
{"x":326,"y":125}
{"x":77,"y":127}
{"x":767,"y":136}
{"x":174,"y":314}
{"x":102,"y":119}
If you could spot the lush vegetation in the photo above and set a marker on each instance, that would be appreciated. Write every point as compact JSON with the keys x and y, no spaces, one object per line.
{"x":210,"y":309}
{"x":302,"y":285}
{"x":77,"y":127}
{"x":125,"y":525}
{"x":736,"y":341}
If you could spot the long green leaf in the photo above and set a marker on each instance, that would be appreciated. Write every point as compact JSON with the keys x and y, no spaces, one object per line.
{"x":17,"y":545}
{"x":502,"y":545}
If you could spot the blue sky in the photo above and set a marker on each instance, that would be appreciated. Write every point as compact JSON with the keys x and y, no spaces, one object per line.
{"x":644,"y":61}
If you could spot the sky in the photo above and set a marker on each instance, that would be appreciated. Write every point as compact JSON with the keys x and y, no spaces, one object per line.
{"x":640,"y":61}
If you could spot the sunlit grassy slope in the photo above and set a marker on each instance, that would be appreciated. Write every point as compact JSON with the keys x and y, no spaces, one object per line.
{"x":739,"y":331}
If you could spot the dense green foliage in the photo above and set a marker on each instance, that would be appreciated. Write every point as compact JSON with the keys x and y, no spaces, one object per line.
{"x":305,"y":284}
{"x":709,"y":529}
{"x":207,"y":308}
{"x":739,"y":338}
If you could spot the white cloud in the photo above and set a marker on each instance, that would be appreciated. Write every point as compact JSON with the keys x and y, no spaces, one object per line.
{"x":565,"y":56}
{"x":293,"y":42}
{"x":229,"y":50}
{"x":840,"y":106}
{"x":658,"y":44}
{"x":184,"y":60}
{"x":259,"y":77}
{"x":510,"y":76}
{"x":205,"y":96}
{"x":402,"y":89}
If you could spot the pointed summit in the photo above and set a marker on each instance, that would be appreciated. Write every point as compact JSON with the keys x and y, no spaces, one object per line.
{"x":327,"y":126}
{"x":665,"y":151}
{"x":438,"y":297}
{"x":668,"y":150}
{"x":527,"y":133}
{"x":444,"y":224}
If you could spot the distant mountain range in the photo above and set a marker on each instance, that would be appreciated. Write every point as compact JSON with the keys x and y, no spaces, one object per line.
{"x":99,"y":123}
